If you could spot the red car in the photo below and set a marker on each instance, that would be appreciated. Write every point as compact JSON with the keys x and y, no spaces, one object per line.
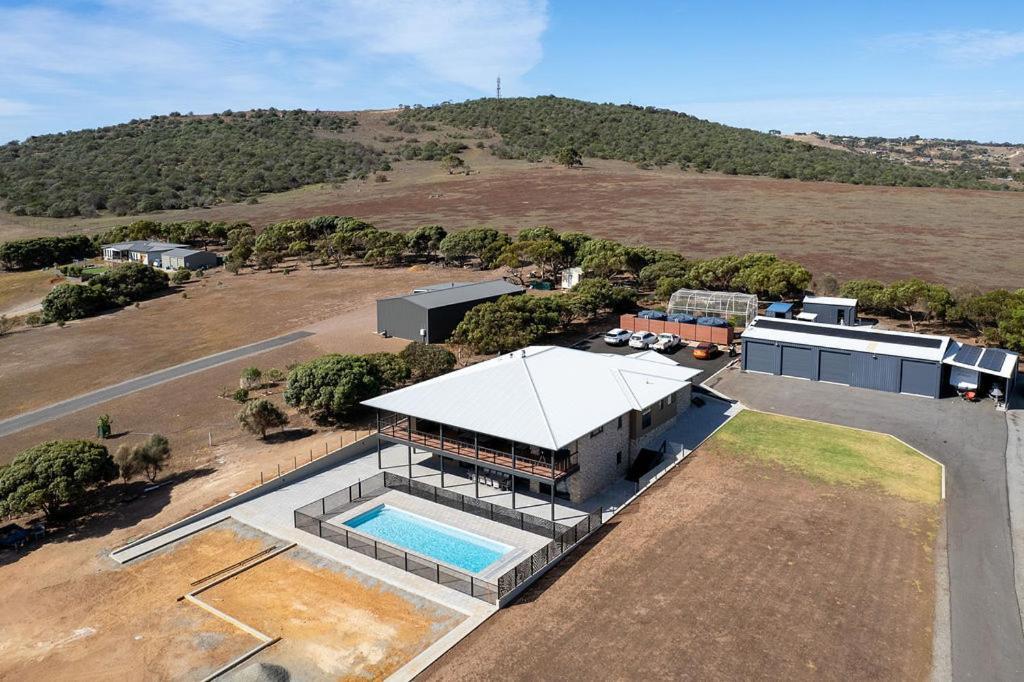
{"x":705,"y":351}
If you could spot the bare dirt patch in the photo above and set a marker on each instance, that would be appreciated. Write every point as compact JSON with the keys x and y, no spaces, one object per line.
{"x":333,"y":623}
{"x":124,"y":622}
{"x":726,"y":569}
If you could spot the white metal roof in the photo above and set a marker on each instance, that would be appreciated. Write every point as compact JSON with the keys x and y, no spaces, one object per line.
{"x":144,"y":246}
{"x":830,"y":300}
{"x":810,"y":317}
{"x":546,"y":396}
{"x":893,"y":344}
{"x":1006,"y":371}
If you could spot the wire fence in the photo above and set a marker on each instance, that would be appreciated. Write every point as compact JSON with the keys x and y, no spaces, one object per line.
{"x":315,"y":518}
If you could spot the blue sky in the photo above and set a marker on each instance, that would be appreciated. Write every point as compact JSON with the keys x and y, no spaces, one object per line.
{"x":949,"y":69}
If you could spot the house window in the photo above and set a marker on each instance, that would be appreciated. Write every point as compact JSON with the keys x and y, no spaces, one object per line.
{"x":597,"y":432}
{"x":618,"y":457}
{"x":620,"y":421}
{"x":645,"y":418}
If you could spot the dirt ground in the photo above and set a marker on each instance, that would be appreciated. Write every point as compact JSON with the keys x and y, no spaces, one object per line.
{"x":726,"y":569}
{"x":955,"y":237}
{"x":334,"y":624}
{"x":222,"y":311}
{"x":22,"y":292}
{"x":122,"y":622}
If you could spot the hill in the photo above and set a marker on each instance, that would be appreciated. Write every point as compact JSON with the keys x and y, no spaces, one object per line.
{"x":175,"y":161}
{"x":999,"y":162}
{"x":181,"y":162}
{"x":536,"y":127}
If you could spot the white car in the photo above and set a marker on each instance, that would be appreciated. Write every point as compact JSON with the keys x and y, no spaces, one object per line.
{"x":642,"y":340}
{"x":617,"y":337}
{"x":667,"y":342}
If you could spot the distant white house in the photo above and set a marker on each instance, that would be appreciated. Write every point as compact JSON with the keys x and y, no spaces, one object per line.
{"x":163,"y":255}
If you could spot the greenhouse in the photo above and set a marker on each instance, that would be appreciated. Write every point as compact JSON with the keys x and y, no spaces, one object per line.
{"x":729,"y":305}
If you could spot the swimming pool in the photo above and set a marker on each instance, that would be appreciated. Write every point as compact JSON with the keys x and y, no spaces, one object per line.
{"x":436,"y":540}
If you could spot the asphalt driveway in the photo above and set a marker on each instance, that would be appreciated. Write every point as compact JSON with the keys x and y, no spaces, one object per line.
{"x":970,"y":440}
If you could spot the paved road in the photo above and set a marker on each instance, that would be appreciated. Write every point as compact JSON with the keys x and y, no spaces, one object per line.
{"x":970,"y":439}
{"x":66,"y":407}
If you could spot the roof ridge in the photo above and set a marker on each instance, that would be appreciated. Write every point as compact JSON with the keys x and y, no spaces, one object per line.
{"x":536,"y":397}
{"x":624,"y":385}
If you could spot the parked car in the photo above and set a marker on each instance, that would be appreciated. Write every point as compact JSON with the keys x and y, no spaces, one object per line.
{"x":617,"y":337}
{"x":667,"y":342}
{"x":14,"y":536}
{"x":642,"y":340}
{"x":705,"y":351}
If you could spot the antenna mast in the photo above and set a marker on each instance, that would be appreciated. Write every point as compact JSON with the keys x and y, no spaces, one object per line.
{"x":499,"y":88}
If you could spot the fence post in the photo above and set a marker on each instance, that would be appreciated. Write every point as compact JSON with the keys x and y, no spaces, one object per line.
{"x":323,"y":506}
{"x":437,"y":566}
{"x":279,"y":470}
{"x":374,"y":549}
{"x":360,"y":488}
{"x":261,"y":477}
{"x":472,"y":586}
{"x":295,"y":462}
{"x":319,"y":528}
{"x":406,"y":561}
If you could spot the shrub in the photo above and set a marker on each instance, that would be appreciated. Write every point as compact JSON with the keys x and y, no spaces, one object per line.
{"x":181,"y":276}
{"x":130,"y":282}
{"x":7,"y":325}
{"x":53,"y":474}
{"x":152,"y":456}
{"x":330,"y":386}
{"x":259,"y":415}
{"x":427,"y":361}
{"x":275,"y":375}
{"x":251,"y":378}
{"x":43,"y":252}
{"x":73,"y":302}
{"x":510,"y":322}
{"x":34,"y":320}
{"x":240,"y":395}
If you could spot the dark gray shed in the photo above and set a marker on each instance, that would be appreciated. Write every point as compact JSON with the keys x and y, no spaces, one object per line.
{"x":830,"y":310}
{"x":897,"y":362}
{"x":432,"y":315}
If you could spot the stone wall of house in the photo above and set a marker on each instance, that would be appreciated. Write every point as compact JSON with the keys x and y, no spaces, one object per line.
{"x":661,"y":419}
{"x":603,"y":458}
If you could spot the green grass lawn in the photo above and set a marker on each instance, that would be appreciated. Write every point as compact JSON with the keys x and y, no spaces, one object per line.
{"x":95,"y":270}
{"x":832,"y":454}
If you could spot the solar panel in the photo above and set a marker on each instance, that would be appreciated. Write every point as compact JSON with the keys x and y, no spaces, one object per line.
{"x":968,"y":355}
{"x":849,"y":333}
{"x":993,"y":359}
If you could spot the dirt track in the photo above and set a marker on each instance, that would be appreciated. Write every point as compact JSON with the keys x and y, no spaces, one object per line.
{"x":726,"y":570}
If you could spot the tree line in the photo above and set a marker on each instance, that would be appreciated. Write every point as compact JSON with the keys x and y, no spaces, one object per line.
{"x":113,"y":288}
{"x":540,"y":127}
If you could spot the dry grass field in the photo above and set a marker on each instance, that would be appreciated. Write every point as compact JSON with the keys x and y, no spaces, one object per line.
{"x":737,"y":565}
{"x":956,"y":237}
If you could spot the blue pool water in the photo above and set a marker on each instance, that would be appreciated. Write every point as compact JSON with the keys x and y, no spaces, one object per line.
{"x":436,"y":540}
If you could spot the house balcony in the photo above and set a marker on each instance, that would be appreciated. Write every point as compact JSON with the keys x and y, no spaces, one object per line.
{"x":480,"y":449}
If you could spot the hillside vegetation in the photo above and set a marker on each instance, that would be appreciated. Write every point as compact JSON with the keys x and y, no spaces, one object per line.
{"x":169,"y":162}
{"x":537,"y":127}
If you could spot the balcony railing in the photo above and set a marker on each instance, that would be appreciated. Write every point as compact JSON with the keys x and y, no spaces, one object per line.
{"x":545,"y":467}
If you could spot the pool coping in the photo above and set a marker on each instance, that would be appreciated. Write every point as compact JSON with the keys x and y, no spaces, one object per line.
{"x":431,"y":512}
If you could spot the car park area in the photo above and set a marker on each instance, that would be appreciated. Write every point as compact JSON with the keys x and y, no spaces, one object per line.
{"x":683,"y":355}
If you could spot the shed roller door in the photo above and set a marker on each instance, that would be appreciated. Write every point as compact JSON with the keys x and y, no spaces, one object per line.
{"x":919,"y":378}
{"x":835,"y":367}
{"x":761,"y":357}
{"x":798,"y":362}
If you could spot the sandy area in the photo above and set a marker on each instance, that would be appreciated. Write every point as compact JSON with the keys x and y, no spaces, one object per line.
{"x":107,"y":622}
{"x":334,"y":624}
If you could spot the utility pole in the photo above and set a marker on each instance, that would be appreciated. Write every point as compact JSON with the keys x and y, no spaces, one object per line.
{"x":499,"y":88}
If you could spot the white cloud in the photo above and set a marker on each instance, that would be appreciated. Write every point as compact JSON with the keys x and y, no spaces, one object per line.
{"x":10,"y":107}
{"x":88,"y":64}
{"x":973,"y":47}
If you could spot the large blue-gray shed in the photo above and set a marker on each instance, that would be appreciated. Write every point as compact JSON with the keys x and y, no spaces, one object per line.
{"x":432,"y":315}
{"x":898,"y":362}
